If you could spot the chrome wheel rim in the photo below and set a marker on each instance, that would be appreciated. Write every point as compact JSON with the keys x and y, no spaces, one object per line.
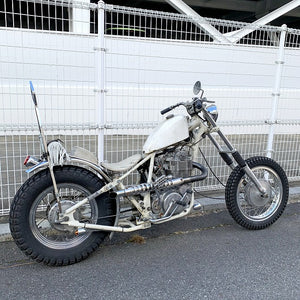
{"x":41,"y":216}
{"x":251,"y":204}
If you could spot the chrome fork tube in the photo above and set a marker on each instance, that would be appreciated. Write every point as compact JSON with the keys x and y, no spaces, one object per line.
{"x":256,"y":182}
{"x":236,"y":155}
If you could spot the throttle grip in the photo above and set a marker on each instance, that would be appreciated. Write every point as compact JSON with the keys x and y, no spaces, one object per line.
{"x":164,"y":111}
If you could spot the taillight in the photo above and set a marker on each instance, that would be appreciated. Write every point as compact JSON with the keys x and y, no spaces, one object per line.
{"x":26,"y":160}
{"x":31,"y":161}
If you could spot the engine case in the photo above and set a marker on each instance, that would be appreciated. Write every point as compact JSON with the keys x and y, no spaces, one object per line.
{"x":177,"y":164}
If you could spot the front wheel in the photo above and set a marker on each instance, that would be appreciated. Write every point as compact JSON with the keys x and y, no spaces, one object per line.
{"x":246,"y":204}
{"x":34,"y":212}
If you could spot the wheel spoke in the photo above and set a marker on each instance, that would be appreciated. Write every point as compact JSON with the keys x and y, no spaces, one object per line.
{"x":251,"y":204}
{"x":43,"y":218}
{"x":38,"y":223}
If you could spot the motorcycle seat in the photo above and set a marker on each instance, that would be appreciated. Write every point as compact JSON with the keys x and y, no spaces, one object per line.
{"x":124,"y":165}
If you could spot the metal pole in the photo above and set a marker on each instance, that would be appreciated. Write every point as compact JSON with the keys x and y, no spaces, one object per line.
{"x":235,"y":36}
{"x":100,"y":78}
{"x":199,"y":21}
{"x":276,"y":91}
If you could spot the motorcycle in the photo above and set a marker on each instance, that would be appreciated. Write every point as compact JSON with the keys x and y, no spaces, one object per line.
{"x":71,"y":203}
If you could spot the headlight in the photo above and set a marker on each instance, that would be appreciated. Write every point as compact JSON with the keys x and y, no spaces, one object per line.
{"x":213,"y":111}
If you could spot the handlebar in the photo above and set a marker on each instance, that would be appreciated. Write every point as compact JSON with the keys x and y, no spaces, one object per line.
{"x":192,"y":107}
{"x":164,"y":111}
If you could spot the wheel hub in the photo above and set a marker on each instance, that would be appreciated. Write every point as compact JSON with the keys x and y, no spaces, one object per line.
{"x":254,"y":197}
{"x":54,"y":212}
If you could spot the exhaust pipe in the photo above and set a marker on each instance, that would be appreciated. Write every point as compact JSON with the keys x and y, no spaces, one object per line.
{"x":145,"y":187}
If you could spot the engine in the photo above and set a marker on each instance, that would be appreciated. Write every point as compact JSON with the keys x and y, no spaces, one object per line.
{"x":173,"y":164}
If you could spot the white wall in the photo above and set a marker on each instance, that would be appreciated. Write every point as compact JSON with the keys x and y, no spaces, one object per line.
{"x":62,"y":68}
{"x":145,"y":76}
{"x":142,"y":77}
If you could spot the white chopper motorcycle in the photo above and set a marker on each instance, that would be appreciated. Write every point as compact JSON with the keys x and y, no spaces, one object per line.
{"x":62,"y":213}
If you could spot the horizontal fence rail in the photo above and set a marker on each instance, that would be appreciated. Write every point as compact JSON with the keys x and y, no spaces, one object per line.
{"x":102,"y":73}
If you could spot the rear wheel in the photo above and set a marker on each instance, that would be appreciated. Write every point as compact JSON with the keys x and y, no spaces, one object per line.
{"x":34,"y":211}
{"x":245,"y":203}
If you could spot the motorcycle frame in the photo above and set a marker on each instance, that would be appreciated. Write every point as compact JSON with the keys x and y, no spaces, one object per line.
{"x":146,"y":219}
{"x":145,"y":210}
{"x":199,"y":129}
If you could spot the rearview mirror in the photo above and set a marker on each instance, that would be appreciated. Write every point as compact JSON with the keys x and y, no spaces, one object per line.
{"x":197,"y":87}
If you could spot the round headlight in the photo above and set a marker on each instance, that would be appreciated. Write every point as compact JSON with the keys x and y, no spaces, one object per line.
{"x":213,"y":111}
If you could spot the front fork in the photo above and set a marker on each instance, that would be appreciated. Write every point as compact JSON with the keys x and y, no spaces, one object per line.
{"x":236,"y":155}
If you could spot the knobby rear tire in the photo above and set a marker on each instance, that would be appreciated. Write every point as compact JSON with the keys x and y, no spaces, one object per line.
{"x":239,"y":193}
{"x":27,"y":234}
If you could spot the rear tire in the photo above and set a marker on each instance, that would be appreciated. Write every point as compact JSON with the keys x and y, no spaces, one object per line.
{"x":243,"y":200}
{"x":34,"y":209}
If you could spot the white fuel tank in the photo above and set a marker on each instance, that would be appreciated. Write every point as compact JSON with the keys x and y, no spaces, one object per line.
{"x":169,"y":132}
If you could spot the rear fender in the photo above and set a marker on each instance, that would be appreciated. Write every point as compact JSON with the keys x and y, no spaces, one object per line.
{"x":74,"y":160}
{"x":41,"y":165}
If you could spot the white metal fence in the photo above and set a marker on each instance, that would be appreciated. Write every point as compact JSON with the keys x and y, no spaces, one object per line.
{"x":102,"y":74}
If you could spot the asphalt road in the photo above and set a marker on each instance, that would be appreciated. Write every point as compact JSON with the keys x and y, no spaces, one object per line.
{"x":201,"y":257}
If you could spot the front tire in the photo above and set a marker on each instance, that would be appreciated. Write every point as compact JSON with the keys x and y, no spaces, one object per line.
{"x":34,"y":210}
{"x":244,"y":201}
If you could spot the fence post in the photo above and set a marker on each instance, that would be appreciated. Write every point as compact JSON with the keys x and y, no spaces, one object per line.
{"x":276,"y":91}
{"x":100,"y":78}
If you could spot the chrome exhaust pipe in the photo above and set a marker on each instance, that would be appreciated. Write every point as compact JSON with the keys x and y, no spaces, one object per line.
{"x":146,"y":187}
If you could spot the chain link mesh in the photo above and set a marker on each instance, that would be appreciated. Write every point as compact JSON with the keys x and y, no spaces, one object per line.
{"x":152,"y":59}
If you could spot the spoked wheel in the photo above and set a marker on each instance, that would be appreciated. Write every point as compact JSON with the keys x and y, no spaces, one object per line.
{"x":34,"y":213}
{"x":42,"y":216}
{"x":246,"y":204}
